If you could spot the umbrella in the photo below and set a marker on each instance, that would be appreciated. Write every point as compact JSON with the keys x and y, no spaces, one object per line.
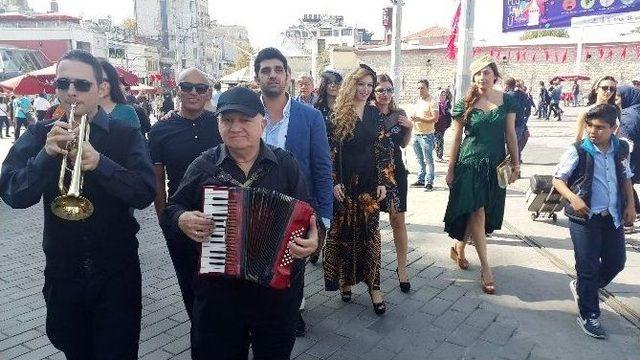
{"x":127,"y":77}
{"x":26,"y":85}
{"x":570,"y":77}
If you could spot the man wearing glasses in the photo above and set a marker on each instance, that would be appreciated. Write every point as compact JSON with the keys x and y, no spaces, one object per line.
{"x":173,"y":145}
{"x":92,"y":281}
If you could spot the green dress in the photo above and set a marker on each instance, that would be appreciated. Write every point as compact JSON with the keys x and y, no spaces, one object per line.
{"x":475,"y":182}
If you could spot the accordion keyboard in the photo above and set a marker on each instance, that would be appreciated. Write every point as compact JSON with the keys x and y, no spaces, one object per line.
{"x":216,"y":203}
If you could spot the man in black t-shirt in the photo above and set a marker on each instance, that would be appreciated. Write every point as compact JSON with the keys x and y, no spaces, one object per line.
{"x":174,"y":144}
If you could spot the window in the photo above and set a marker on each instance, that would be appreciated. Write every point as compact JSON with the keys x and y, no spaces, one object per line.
{"x":336,"y":32}
{"x":347,"y":32}
{"x":116,"y":53}
{"x":325,"y":32}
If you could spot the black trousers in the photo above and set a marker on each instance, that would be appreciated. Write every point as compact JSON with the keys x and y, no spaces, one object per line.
{"x":4,"y":121}
{"x":230,"y":314}
{"x":185,"y":258}
{"x":95,"y":317}
{"x":18,"y":125}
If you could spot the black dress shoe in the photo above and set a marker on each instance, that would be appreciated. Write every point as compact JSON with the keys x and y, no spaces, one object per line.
{"x":417,"y":184}
{"x":405,"y":287}
{"x":301,"y":326}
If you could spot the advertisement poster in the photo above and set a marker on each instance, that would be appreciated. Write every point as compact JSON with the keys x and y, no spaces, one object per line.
{"x":545,"y":14}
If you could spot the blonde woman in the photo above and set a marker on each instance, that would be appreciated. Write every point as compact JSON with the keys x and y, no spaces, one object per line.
{"x":362,"y":156}
{"x":476,"y":202}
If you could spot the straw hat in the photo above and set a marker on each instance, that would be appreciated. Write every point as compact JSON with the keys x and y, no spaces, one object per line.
{"x":479,"y":63}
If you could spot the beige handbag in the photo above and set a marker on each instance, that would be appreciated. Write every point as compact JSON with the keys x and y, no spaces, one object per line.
{"x":504,"y":171}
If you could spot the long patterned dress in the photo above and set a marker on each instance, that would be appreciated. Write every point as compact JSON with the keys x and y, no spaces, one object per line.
{"x":475,"y":182}
{"x":361,"y":163}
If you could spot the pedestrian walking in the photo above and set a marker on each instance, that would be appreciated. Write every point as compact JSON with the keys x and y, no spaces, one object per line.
{"x":594,"y":176}
{"x":92,"y":280}
{"x":21,"y":114}
{"x":41,"y":104}
{"x":424,"y":117}
{"x":4,"y":116}
{"x":173,"y":145}
{"x":575,"y":91}
{"x":630,"y":132}
{"x":523,"y":103}
{"x":398,"y":127}
{"x":443,"y":123}
{"x":476,"y":202}
{"x":299,"y":129}
{"x":114,"y":102}
{"x":543,"y":102}
{"x":330,"y":82}
{"x":555,"y":93}
{"x":603,"y":92}
{"x":363,"y":173}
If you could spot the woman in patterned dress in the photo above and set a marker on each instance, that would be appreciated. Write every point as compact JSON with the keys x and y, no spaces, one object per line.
{"x":362,"y":156}
{"x":476,"y":202}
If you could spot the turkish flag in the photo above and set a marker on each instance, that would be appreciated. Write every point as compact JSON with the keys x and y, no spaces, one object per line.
{"x":564,"y":56}
{"x":451,"y":46}
{"x":623,"y":54}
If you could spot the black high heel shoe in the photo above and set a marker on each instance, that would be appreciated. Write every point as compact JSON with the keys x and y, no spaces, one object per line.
{"x":379,"y":308}
{"x":405,"y":287}
{"x":345,"y":295}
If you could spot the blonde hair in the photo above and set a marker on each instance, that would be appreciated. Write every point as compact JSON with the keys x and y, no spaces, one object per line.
{"x":344,"y":117}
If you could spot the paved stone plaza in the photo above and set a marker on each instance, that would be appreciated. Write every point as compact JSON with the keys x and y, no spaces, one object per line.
{"x":446,"y":315}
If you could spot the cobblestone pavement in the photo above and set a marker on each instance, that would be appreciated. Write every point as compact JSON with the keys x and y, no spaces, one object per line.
{"x":440,"y":318}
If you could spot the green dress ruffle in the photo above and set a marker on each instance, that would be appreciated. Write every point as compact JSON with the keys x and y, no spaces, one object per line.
{"x":475,"y":183}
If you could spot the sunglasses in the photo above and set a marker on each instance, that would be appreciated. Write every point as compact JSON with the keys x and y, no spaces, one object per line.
{"x":187,"y":87}
{"x":608,"y":88}
{"x":79,"y":84}
{"x":382,"y":91}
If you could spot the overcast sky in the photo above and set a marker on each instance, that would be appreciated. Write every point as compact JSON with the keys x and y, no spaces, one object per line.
{"x":265,"y":20}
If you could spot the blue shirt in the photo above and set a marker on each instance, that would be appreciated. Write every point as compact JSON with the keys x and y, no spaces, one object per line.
{"x":22,"y":108}
{"x":604,"y":189}
{"x":276,"y":133}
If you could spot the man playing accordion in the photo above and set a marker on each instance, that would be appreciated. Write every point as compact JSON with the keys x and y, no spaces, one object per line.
{"x":229,"y":314}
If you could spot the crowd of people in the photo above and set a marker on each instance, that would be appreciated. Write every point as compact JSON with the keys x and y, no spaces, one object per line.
{"x":338,"y":147}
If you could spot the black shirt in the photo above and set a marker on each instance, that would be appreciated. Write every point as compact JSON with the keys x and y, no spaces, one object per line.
{"x":176,"y":142}
{"x":106,"y":241}
{"x":280,"y":172}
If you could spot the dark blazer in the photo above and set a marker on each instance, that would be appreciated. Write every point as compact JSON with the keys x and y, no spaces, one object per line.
{"x":307,"y":141}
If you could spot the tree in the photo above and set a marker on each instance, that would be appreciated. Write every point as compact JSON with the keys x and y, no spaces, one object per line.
{"x":130,"y":25}
{"x":562,"y":33}
{"x":242,"y":57}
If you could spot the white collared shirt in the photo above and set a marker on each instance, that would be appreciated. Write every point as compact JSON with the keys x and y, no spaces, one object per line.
{"x":276,"y":133}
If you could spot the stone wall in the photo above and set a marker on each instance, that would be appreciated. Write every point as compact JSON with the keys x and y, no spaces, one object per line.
{"x":432,"y":64}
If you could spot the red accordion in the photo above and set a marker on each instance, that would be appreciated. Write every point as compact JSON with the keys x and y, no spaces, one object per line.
{"x":253,"y":228}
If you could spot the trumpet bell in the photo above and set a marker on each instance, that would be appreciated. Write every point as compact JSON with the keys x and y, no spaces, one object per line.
{"x":71,"y":207}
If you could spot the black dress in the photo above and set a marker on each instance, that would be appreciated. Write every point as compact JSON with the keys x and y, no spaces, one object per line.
{"x":397,"y":133}
{"x":361,"y":164}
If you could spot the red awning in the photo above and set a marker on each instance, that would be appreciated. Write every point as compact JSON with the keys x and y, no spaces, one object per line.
{"x":26,"y":85}
{"x":127,"y":77}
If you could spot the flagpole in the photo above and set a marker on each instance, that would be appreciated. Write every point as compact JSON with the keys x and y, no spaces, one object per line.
{"x":464,"y":56}
{"x":396,"y":44}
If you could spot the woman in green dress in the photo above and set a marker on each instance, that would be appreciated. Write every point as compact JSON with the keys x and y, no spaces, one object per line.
{"x":476,"y":202}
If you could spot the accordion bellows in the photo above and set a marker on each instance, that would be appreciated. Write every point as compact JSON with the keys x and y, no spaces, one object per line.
{"x":253,"y":229}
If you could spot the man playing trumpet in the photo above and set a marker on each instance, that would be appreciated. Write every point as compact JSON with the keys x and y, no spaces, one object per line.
{"x":92,"y":286}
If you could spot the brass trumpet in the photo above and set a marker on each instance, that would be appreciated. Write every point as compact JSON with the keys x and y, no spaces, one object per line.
{"x":70,"y":205}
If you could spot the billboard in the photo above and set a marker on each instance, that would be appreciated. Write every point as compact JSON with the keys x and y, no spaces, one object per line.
{"x":545,"y":14}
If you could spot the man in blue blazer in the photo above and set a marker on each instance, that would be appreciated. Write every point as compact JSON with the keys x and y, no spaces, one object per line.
{"x":298,"y":128}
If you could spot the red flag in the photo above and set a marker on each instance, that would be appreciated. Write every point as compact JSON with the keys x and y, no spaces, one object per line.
{"x":610,"y":54}
{"x":491,"y":52}
{"x":555,"y":54}
{"x":518,"y":55}
{"x":524,"y":55}
{"x":451,"y":46}
{"x":533,"y":57}
{"x":564,"y":56}
{"x":546,"y":54}
{"x":623,"y":54}
{"x":601,"y":51}
{"x":476,"y":51}
{"x":636,"y":49}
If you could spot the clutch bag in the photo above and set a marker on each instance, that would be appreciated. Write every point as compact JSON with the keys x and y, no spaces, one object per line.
{"x":504,"y":171}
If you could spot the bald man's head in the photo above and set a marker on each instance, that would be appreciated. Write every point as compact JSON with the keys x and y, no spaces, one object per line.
{"x":194,"y":91}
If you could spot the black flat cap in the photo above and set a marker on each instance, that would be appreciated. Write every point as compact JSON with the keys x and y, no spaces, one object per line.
{"x":242,"y":100}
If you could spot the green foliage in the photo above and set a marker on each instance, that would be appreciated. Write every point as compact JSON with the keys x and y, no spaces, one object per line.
{"x":562,"y":33}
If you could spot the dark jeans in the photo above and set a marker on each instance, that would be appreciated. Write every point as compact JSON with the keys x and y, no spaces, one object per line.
{"x":439,"y":144}
{"x":96,"y":317}
{"x":4,"y":121}
{"x":185,"y":258}
{"x":557,"y":112}
{"x":599,"y":252}
{"x":230,"y":314}
{"x":542,"y":111}
{"x":19,"y":123}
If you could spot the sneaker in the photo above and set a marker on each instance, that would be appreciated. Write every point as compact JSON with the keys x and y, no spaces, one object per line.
{"x":572,"y":286}
{"x":428,"y":187}
{"x":591,"y":327}
{"x":417,"y":184}
{"x":301,"y":327}
{"x":629,"y":229}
